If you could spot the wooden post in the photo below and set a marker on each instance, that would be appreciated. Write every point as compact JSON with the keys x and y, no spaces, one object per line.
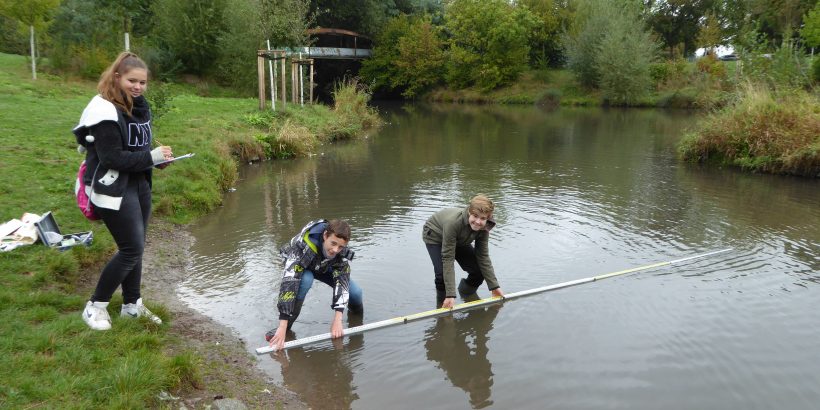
{"x":293,"y":82}
{"x":284,"y":86}
{"x":311,"y":81}
{"x":260,"y":71}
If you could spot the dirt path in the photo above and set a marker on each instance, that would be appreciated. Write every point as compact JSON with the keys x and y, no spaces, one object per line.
{"x":228,"y":369}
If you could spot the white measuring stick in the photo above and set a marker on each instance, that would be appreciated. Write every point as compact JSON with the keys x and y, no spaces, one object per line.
{"x":476,"y":303}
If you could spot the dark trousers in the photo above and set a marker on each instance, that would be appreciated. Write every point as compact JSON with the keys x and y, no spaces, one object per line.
{"x":127,"y":226}
{"x":465,"y":256}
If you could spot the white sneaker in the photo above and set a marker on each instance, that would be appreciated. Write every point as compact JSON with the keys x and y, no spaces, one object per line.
{"x":137,"y":310}
{"x":96,"y":316}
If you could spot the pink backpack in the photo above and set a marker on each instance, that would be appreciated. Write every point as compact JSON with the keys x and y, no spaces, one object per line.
{"x":83,"y":201}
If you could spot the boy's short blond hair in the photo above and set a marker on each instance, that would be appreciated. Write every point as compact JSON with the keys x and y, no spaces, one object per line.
{"x":480,"y":204}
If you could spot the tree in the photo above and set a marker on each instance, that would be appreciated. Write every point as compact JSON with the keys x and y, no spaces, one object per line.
{"x":85,"y":36}
{"x":612,"y":49}
{"x":811,"y":27}
{"x":488,"y":42}
{"x":365,"y":16}
{"x":710,"y":34}
{"x":779,"y":19}
{"x":421,"y":58}
{"x":34,"y":14}
{"x":552,"y":18}
{"x":190,"y":31}
{"x":582,"y":41}
{"x":381,"y":68}
{"x":249,"y":23}
{"x":678,"y":21}
{"x":623,"y":59}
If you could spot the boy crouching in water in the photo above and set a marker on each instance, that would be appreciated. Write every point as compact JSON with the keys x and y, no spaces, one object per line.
{"x":449,"y":236}
{"x":320,"y":252}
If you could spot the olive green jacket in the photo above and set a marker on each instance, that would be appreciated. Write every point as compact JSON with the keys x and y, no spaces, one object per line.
{"x":450,"y":228}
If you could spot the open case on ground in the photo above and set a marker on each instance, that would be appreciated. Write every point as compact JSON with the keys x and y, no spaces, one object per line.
{"x":51,"y":235}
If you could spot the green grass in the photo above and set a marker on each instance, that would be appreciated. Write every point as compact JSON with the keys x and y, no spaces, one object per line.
{"x":49,"y":357}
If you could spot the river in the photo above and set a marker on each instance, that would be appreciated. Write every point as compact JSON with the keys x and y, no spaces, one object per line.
{"x":579,"y":192}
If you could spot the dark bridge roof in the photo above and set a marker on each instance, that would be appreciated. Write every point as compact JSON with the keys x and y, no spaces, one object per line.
{"x":335,"y":31}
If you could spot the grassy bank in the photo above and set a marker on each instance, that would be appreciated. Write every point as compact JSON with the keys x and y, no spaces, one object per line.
{"x":676,"y":84}
{"x":50,"y":358}
{"x":761,"y":131}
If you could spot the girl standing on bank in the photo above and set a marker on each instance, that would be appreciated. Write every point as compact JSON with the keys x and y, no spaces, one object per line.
{"x":115,"y":129}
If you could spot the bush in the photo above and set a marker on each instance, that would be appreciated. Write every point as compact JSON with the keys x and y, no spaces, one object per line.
{"x":11,"y":41}
{"x":159,"y":96}
{"x":763,"y":131}
{"x":659,"y":73}
{"x":164,"y":64}
{"x":293,"y":140}
{"x":87,"y":62}
{"x":815,"y":69}
{"x":350,"y":102}
{"x":711,"y":66}
{"x":786,"y":68}
{"x":550,"y":98}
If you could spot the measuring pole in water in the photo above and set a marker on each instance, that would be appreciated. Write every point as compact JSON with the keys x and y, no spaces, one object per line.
{"x":470,"y":305}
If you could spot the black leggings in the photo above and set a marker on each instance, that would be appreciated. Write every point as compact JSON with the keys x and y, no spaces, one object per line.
{"x":465,"y":256}
{"x":127,"y":226}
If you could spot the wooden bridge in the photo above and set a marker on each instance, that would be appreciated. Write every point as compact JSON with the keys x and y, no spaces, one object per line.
{"x":330,"y":43}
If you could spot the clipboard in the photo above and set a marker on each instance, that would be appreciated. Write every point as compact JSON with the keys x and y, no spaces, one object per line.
{"x":188,"y":155}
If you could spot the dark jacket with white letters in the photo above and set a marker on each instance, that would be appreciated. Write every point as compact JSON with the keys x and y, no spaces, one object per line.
{"x":118,"y":147}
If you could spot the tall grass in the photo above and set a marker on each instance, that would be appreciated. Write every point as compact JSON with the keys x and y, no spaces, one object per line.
{"x":761,"y":131}
{"x":300,"y":131}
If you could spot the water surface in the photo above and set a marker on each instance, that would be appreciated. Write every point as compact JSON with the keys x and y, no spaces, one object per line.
{"x":579,"y":192}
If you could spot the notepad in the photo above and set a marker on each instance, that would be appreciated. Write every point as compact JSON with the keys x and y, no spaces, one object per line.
{"x":188,"y":155}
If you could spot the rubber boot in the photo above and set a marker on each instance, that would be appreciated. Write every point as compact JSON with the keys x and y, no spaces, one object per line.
{"x":465,"y":290}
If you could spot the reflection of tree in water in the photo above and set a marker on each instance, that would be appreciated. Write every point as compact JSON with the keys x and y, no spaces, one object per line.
{"x":322,"y":378}
{"x":460,"y":348}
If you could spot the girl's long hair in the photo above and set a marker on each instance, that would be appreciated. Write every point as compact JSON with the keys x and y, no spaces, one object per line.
{"x":109,"y":88}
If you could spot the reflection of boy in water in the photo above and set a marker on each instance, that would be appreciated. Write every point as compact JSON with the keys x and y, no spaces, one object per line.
{"x":460,"y":348}
{"x":319,"y":251}
{"x":449,"y":235}
{"x":323,"y":378}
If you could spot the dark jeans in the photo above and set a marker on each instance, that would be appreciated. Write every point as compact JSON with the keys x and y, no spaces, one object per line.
{"x":465,"y":256}
{"x":127,"y":226}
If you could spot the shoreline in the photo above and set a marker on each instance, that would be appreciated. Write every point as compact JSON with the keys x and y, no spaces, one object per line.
{"x":228,"y":370}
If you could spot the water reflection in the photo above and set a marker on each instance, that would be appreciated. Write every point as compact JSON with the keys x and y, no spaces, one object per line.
{"x":323,"y":378}
{"x":458,"y":344}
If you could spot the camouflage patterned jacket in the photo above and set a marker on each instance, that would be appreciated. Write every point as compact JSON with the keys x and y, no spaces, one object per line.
{"x":304,"y":252}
